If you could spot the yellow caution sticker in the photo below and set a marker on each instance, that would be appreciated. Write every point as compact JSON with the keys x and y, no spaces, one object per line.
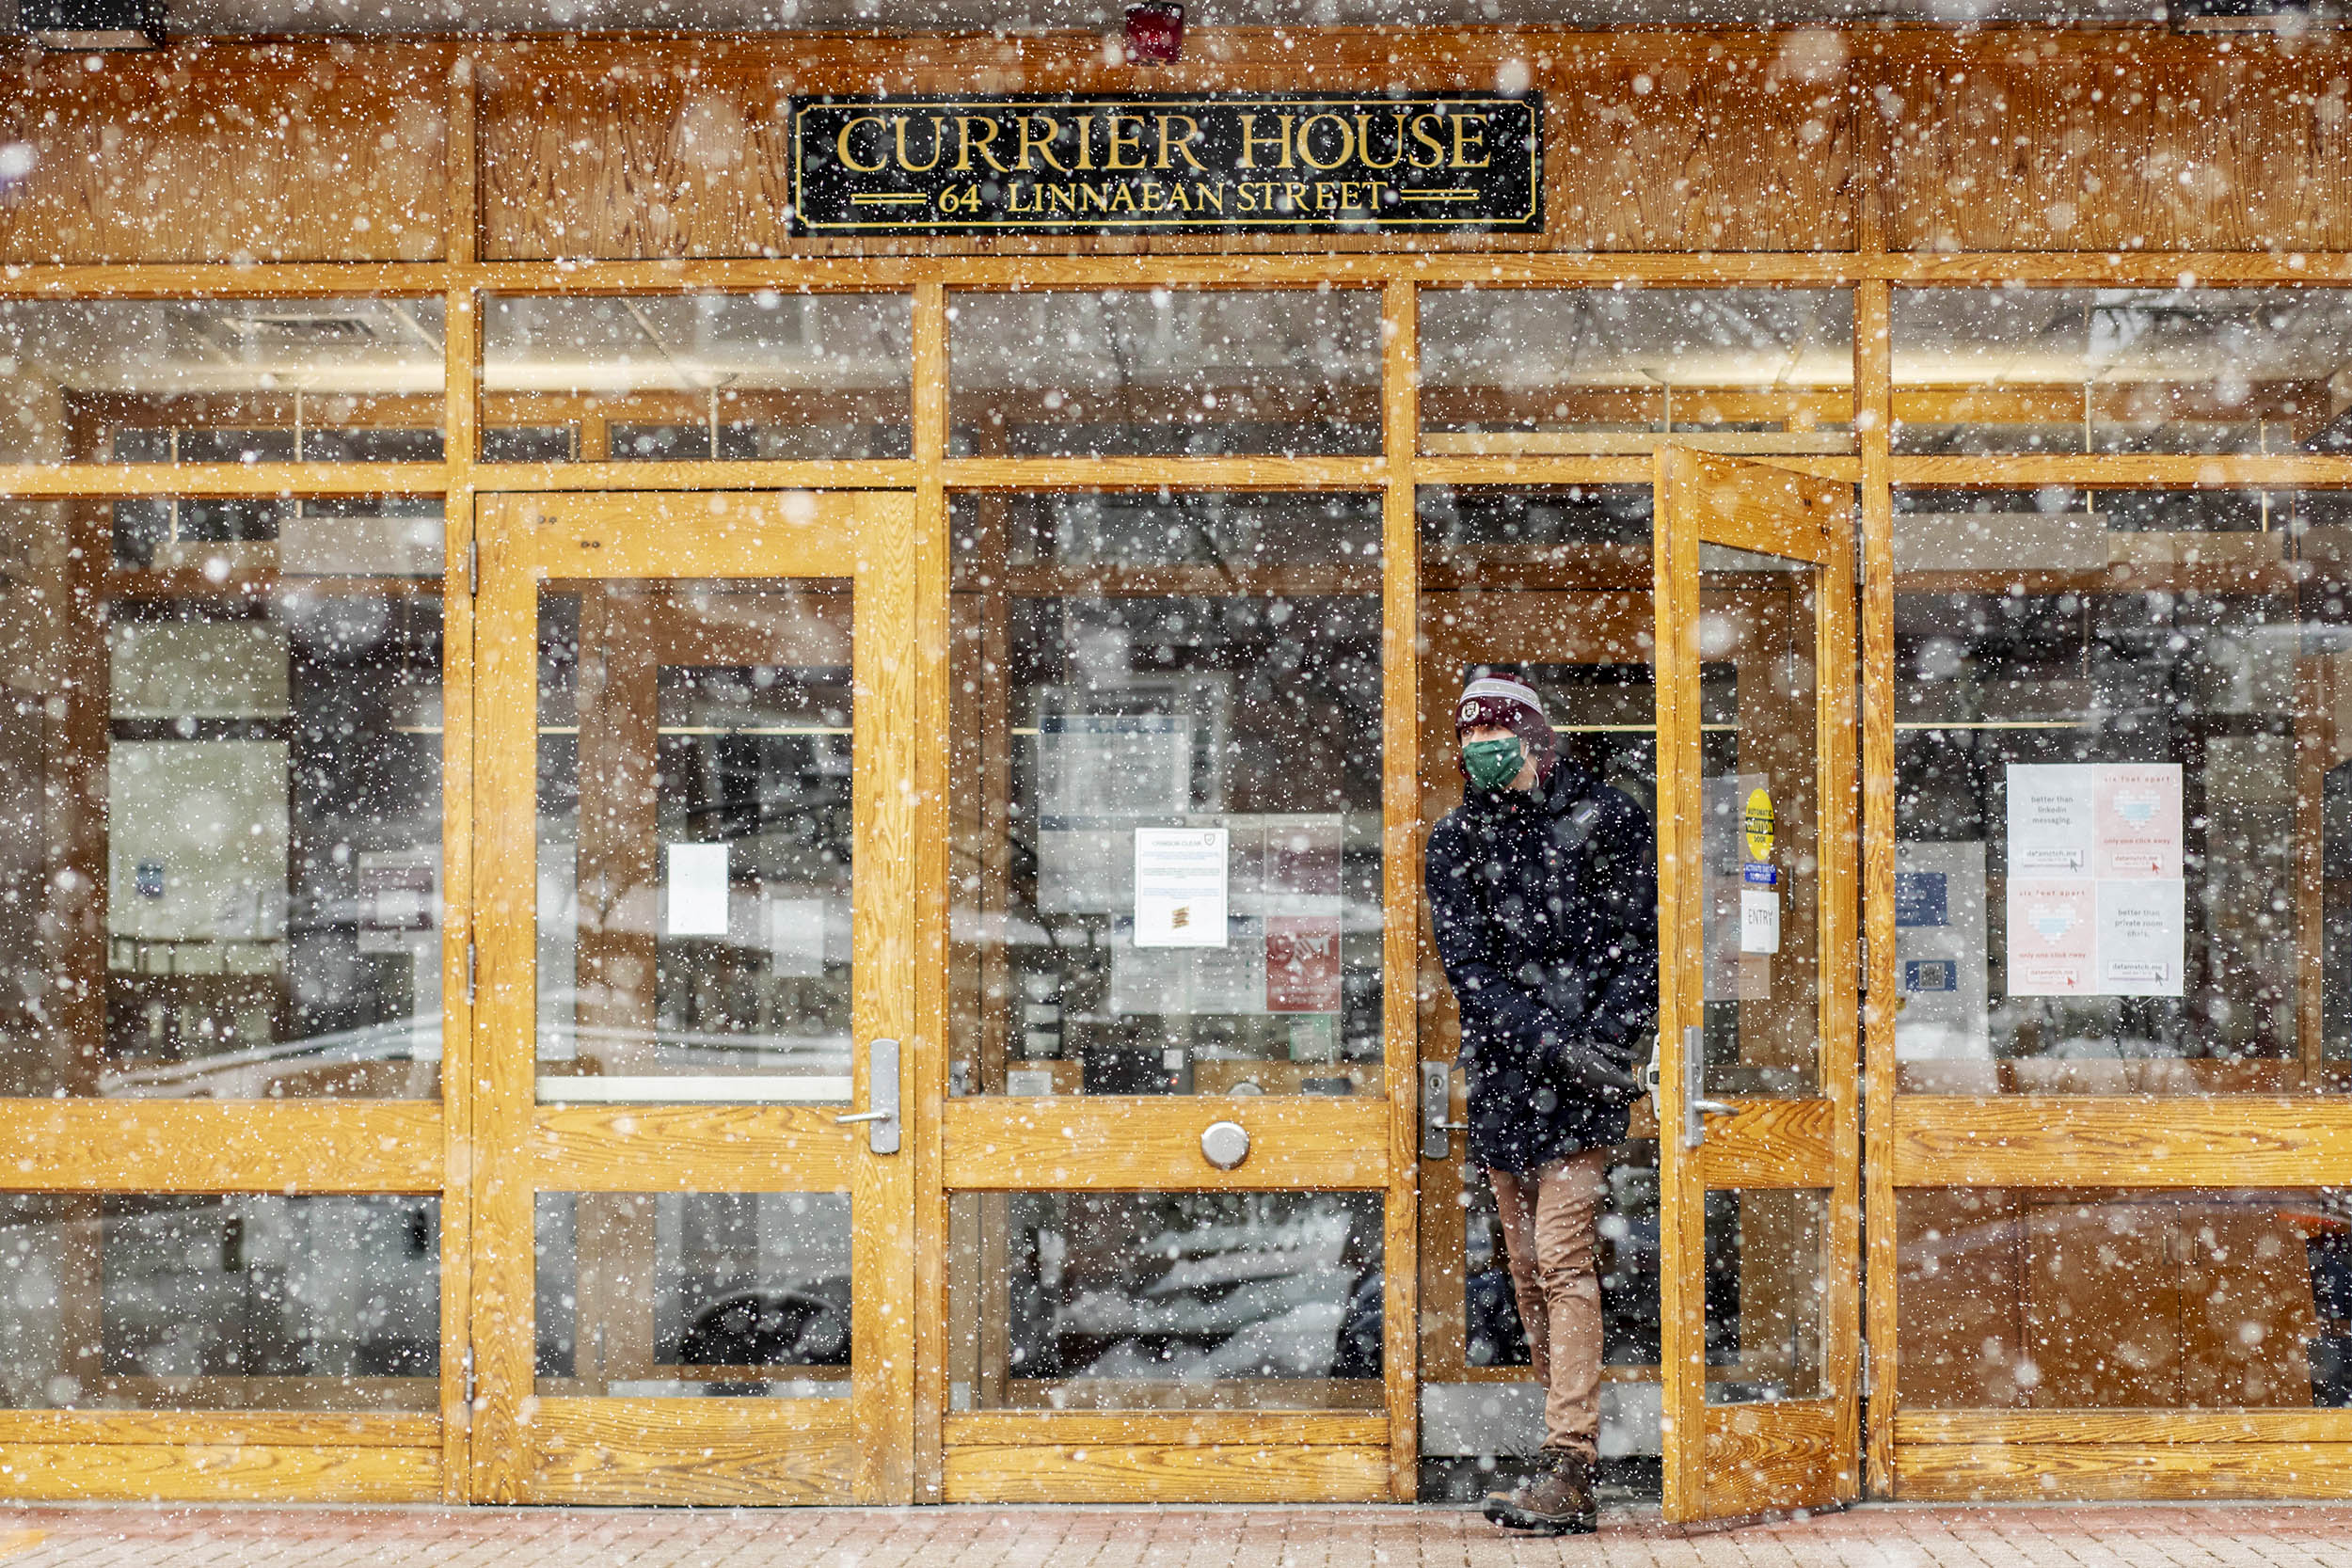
{"x":1757,"y":821}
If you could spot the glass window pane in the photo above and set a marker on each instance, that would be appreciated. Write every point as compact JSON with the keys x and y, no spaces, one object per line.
{"x":247,"y":1302}
{"x":221,"y":381}
{"x":700,"y":376}
{"x":2057,"y":1299}
{"x":693,"y":1294}
{"x":1139,"y":678}
{"x":694,"y":841}
{"x":2121,"y":370}
{"x":1190,"y":1301}
{"x":2119,"y":791}
{"x":222,"y":822}
{"x":1608,"y":370}
{"x":1766,"y":1276}
{"x":1164,"y":373}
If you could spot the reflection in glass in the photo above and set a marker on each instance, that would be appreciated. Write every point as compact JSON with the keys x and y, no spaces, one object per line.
{"x":1166,"y":1300}
{"x":2175,"y":657}
{"x":692,"y":1294}
{"x":220,"y":825}
{"x":2121,"y":370}
{"x":1765,"y":1281}
{"x":1164,"y":373}
{"x":2054,"y":1300}
{"x":694,"y":841}
{"x":1761,"y":823}
{"x":697,"y":377}
{"x":221,"y":381}
{"x":1771,"y":368}
{"x":239,"y":1303}
{"x":1228,"y":689}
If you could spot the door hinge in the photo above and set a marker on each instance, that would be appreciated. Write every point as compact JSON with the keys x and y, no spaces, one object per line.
{"x":1866,"y":1368}
{"x":470,"y":971}
{"x":1862,"y":959}
{"x":473,"y":567}
{"x":469,"y":1382}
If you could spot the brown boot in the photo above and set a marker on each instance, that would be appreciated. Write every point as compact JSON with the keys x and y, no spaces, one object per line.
{"x":1556,"y":1500}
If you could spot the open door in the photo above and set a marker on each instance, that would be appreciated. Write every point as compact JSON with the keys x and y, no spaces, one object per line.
{"x":1760,"y":1147}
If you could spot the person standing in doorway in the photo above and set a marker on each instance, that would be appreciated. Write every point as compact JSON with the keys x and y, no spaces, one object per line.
{"x":1542,"y":895}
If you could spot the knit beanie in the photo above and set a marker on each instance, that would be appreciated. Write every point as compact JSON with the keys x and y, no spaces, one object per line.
{"x":1491,"y":700}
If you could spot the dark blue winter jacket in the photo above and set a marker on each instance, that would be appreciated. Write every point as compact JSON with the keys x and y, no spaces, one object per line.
{"x":1544,"y":904}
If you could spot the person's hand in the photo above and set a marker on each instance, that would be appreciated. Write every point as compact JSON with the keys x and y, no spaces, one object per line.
{"x":1591,"y":1066}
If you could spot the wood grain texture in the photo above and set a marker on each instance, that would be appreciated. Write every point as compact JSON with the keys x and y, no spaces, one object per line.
{"x":2082,"y":142}
{"x":204,"y":1472}
{"x":709,"y":1148}
{"x":1873,"y":420}
{"x":2120,"y":1141}
{"x":1757,"y":1458}
{"x":222,"y":1428}
{"x":284,"y":152}
{"x":1162,"y":1428}
{"x":1152,"y":1144}
{"x":1771,"y":1143}
{"x":727,"y":533}
{"x":1167,"y":1473}
{"x":178,"y":1146}
{"x":2119,"y":1472}
{"x":1401,"y":876}
{"x":2131,"y":1427}
{"x":713,"y":1452}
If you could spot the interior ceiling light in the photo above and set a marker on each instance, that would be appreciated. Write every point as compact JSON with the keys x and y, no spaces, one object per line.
{"x":2239,"y":16}
{"x":1155,"y":32}
{"x":92,"y":24}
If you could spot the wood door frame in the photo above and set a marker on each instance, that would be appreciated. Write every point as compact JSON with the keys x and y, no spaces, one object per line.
{"x":1750,"y":1459}
{"x":528,"y":1449}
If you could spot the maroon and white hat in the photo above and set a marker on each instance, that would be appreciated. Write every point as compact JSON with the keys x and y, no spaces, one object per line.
{"x":1498,"y":700}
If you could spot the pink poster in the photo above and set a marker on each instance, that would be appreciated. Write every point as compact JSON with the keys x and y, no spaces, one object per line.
{"x":2136,"y":820}
{"x":1302,"y":963}
{"x":2052,"y":933}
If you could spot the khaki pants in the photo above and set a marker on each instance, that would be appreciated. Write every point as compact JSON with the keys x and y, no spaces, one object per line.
{"x":1549,"y":1238}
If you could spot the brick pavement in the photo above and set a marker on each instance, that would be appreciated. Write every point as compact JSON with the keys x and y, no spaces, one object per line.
{"x":2141,"y":1536}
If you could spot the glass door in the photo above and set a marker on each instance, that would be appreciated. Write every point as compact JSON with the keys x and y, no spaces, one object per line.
{"x":694,"y":1280}
{"x":1760,"y":1213}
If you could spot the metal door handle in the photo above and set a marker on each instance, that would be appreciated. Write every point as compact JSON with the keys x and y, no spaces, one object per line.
{"x":1437,"y":1099}
{"x":882,"y":1099}
{"x":1695,"y":1107}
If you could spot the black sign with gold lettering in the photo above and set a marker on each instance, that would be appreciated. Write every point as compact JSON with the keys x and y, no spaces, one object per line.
{"x":1167,"y":163}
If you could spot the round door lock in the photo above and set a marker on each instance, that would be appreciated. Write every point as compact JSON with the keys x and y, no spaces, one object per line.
{"x":1225,"y":1144}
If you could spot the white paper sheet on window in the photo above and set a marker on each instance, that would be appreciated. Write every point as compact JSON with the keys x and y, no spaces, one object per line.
{"x":796,"y":938}
{"x":2095,"y":889}
{"x":1180,"y":887}
{"x":696,"y":891}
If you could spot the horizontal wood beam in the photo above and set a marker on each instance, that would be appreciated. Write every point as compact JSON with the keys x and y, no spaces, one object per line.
{"x":707,"y":1148}
{"x":222,"y":1428}
{"x":182,"y":1145}
{"x":2119,"y":1472}
{"x":206,"y":1472}
{"x":1152,"y":1144}
{"x":1066,"y":1428}
{"x":2122,"y":1141}
{"x":2127,"y":1427}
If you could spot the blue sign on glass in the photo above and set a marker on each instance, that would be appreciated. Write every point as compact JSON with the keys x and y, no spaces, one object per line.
{"x":1919,"y":898}
{"x":1924,"y":974}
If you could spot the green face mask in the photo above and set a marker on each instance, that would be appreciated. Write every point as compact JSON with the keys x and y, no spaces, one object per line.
{"x":1493,"y":764}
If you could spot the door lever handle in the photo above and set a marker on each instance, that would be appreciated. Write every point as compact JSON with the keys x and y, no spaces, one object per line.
{"x":1715,"y":1107}
{"x":882,"y":1099}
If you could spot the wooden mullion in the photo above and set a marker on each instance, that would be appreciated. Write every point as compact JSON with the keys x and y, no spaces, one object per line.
{"x":927,"y":1067}
{"x":461,"y":212}
{"x":1400,"y":863}
{"x":1873,"y":388}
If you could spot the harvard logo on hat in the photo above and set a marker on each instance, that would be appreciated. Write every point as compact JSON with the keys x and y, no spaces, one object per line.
{"x":1469,"y":713}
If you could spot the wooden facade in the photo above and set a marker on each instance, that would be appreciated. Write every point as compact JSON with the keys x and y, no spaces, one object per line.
{"x":1861,"y":162}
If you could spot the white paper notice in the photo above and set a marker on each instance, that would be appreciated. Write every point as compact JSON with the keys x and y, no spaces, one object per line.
{"x":698,"y":890}
{"x":2140,"y":937}
{"x":1180,"y":887}
{"x":796,"y":938}
{"x":2095,"y":894}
